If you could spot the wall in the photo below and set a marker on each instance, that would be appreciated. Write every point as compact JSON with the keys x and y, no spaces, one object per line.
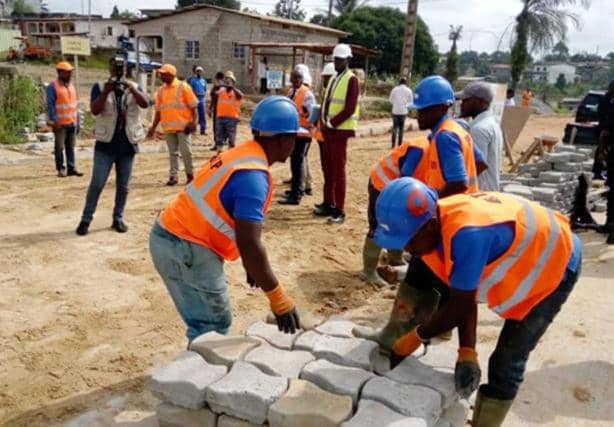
{"x":99,"y":31}
{"x":554,"y":71}
{"x":7,"y":39}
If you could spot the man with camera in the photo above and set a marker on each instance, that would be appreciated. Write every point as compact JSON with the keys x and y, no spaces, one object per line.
{"x":117,"y":105}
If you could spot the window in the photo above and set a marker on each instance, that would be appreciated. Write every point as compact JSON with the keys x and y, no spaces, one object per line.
{"x":32,"y":28}
{"x":68,"y":27}
{"x":159,"y":43}
{"x":239,"y":51}
{"x":131,"y":33}
{"x":109,"y":31}
{"x":41,"y":27}
{"x":52,"y":27}
{"x":192,"y":49}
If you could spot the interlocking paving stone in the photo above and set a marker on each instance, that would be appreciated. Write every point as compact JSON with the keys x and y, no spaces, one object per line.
{"x":222,"y":349}
{"x":272,"y":335}
{"x":281,"y":363}
{"x":174,"y":416}
{"x":439,"y":356}
{"x":337,"y":326}
{"x":336,"y":378}
{"x":306,"y":341}
{"x":374,"y":414}
{"x":226,"y":421}
{"x":353,"y":352}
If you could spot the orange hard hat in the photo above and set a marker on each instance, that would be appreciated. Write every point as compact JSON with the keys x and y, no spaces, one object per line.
{"x":168,"y":69}
{"x":64,"y":66}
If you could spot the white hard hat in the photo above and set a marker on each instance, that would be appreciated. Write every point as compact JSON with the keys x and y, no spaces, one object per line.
{"x":304,"y":70}
{"x":199,"y":68}
{"x":342,"y":50}
{"x":328,"y":70}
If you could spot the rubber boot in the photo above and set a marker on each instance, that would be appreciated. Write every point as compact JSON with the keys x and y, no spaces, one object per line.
{"x":370,"y":259}
{"x":412,"y":307}
{"x":489,"y":412}
{"x":395,"y":258}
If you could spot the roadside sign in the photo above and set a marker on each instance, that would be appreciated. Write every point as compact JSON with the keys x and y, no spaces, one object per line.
{"x":274,"y":79}
{"x":75,"y":46}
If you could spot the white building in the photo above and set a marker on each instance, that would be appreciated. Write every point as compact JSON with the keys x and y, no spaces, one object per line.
{"x":543,"y":72}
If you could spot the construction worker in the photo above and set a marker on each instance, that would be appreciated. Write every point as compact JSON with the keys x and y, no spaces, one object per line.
{"x":604,"y":155}
{"x":199,"y":87}
{"x":304,"y":100}
{"x":527,"y":96}
{"x":339,"y":118}
{"x":218,"y":82}
{"x":218,"y":218}
{"x":117,"y":105}
{"x":513,"y":254}
{"x":401,"y":97}
{"x":63,"y":117}
{"x":176,"y":111}
{"x":228,"y":109}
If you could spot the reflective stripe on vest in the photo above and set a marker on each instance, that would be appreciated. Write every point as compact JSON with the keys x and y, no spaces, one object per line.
{"x":227,"y":104}
{"x":388,"y":167}
{"x":65,"y":104}
{"x":299,"y":97}
{"x":339,"y":89}
{"x":173,"y":113}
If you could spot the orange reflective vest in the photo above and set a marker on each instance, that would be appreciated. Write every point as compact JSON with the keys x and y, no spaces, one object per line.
{"x":388,"y":167}
{"x":532,"y":267}
{"x":299,"y":97}
{"x":65,"y":103}
{"x":197,"y":213}
{"x":228,"y":105}
{"x":317,"y":133}
{"x":435,"y":178}
{"x":175,"y":102}
{"x":527,"y":96}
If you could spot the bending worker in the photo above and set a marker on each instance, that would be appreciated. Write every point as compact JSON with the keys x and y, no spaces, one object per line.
{"x":218,"y":218}
{"x":513,"y":254}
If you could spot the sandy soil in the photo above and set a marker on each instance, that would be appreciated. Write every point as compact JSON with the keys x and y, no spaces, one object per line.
{"x":84,"y":319}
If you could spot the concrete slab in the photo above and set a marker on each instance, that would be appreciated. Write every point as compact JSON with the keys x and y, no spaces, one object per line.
{"x":352,"y":352}
{"x":306,"y":341}
{"x":457,"y":414}
{"x":222,"y":349}
{"x":246,"y":393}
{"x":337,"y":379}
{"x":371,"y":413}
{"x":183,"y":381}
{"x":439,"y":356}
{"x":306,"y":405}
{"x":281,"y":363}
{"x":337,"y":326}
{"x":226,"y":421}
{"x":407,"y":399}
{"x":174,"y":416}
{"x":272,"y":335}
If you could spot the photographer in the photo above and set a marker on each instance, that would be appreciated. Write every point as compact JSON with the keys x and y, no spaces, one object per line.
{"x":117,"y":105}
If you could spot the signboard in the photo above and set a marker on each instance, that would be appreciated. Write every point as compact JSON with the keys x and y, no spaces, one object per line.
{"x":498,"y":103}
{"x":274,"y":79}
{"x":75,"y":46}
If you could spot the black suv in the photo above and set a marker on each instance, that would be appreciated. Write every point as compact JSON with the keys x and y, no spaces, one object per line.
{"x":587,"y":110}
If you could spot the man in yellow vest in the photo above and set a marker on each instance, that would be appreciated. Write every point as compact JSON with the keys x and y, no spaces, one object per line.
{"x":228,"y":110}
{"x":176,"y":111}
{"x":339,"y":118}
{"x":63,"y":117}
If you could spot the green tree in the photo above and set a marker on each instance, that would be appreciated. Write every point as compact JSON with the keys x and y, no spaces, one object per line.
{"x":115,"y":12}
{"x":539,"y":24}
{"x":382,"y":29}
{"x":344,"y":7}
{"x":228,"y":4}
{"x":282,"y":9}
{"x":21,"y":8}
{"x":561,"y":50}
{"x":561,"y":82}
{"x":452,"y":60}
{"x":319,"y":19}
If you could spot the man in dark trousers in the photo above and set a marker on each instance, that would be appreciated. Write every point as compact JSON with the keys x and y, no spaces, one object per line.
{"x":218,"y":82}
{"x":605,"y":152}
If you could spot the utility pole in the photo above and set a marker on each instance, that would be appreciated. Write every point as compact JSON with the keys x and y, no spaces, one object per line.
{"x":411,"y":21}
{"x":330,"y":13}
{"x":290,"y":6}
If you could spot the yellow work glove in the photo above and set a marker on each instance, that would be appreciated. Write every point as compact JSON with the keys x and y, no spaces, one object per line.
{"x":404,"y":346}
{"x":467,"y":372}
{"x":284,"y":310}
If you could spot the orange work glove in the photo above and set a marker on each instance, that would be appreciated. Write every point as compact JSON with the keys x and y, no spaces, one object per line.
{"x":404,"y":347}
{"x":467,"y":372}
{"x":284,"y":310}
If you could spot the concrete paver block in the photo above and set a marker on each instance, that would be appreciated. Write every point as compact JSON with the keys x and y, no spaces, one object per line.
{"x":281,"y":363}
{"x":272,"y":335}
{"x":307,"y":405}
{"x":381,"y":363}
{"x":222,"y":349}
{"x":245,"y":393}
{"x":456,"y":415}
{"x":174,"y":416}
{"x":413,"y":371}
{"x":407,"y":399}
{"x":226,"y":421}
{"x":306,"y":341}
{"x":354,"y":352}
{"x":439,"y":356}
{"x":183,"y":381}
{"x":336,"y":378}
{"x":371,"y":413}
{"x":337,"y":326}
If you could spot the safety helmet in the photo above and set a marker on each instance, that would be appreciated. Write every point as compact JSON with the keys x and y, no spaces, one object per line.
{"x":433,"y":90}
{"x":168,"y":69}
{"x":328,"y":70}
{"x":402,"y":208}
{"x":64,"y":66}
{"x":342,"y":50}
{"x":275,"y":115}
{"x":230,"y":75}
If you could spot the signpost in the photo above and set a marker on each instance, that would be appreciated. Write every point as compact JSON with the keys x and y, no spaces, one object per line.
{"x":76,"y":46}
{"x":274,"y":79}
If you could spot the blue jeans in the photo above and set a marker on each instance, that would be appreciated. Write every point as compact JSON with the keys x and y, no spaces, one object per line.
{"x":202,"y":117}
{"x":508,"y":362}
{"x":64,"y":140}
{"x":103,"y":162}
{"x":225,"y":131}
{"x":194,"y":277}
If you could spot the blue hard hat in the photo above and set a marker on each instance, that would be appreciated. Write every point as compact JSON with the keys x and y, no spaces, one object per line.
{"x":433,"y":90}
{"x":275,"y":115}
{"x":404,"y":206}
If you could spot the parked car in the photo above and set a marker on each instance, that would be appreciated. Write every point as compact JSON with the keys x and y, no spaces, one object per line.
{"x":587,"y":110}
{"x":145,"y":62}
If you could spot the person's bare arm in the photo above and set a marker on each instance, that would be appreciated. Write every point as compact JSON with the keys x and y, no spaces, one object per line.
{"x":238,"y":93}
{"x":154,"y":125}
{"x":253,"y":254}
{"x":452,"y":188}
{"x":97,"y":105}
{"x":141,"y":98}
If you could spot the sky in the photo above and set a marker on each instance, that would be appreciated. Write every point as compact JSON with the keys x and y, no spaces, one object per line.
{"x":484,"y":21}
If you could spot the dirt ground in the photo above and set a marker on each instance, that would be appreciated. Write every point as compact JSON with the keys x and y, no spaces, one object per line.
{"x":85,"y":319}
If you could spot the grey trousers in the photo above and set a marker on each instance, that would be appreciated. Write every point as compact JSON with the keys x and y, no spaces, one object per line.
{"x":179,"y":142}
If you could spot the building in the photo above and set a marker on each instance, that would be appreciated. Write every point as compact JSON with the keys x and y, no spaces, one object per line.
{"x":46,"y":30}
{"x":501,"y":73}
{"x":550,"y":72}
{"x":590,"y":72}
{"x":218,"y":39}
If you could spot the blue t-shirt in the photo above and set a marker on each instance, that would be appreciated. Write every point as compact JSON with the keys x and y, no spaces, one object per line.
{"x":475,"y":247}
{"x":245,"y":195}
{"x":199,"y":86}
{"x":450,"y":153}
{"x":409,"y":162}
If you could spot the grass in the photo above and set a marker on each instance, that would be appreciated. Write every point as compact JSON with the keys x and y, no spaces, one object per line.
{"x":20,"y":103}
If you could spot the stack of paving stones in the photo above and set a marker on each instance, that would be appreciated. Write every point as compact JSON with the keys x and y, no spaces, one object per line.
{"x":553,"y":179}
{"x":322,"y":378}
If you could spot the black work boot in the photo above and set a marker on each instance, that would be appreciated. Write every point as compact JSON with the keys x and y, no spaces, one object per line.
{"x":119,"y":226}
{"x":83,"y":228}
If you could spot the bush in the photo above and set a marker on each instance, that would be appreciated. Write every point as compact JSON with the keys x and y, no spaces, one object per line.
{"x":20,"y":103}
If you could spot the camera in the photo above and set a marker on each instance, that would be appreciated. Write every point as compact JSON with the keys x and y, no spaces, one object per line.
{"x":118,"y":65}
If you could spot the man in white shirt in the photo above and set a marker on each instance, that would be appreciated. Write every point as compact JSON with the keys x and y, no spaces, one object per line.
{"x":485,"y":131}
{"x":509,"y":98}
{"x":262,"y":69}
{"x":400,"y":98}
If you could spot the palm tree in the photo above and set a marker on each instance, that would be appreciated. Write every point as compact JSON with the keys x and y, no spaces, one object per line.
{"x":343,"y":7}
{"x":452,"y":61}
{"x":540,"y":24}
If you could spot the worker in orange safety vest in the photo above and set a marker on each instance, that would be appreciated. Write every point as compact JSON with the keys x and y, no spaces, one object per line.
{"x":517,"y":256}
{"x":227,"y":112}
{"x":527,"y":97}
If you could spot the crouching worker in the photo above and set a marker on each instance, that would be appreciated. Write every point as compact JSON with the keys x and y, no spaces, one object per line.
{"x":515,"y":255}
{"x":218,"y":217}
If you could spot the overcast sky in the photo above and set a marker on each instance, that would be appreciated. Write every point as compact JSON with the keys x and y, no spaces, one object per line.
{"x":484,"y":21}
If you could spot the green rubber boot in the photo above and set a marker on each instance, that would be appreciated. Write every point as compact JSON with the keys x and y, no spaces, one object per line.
{"x":412,"y":307}
{"x":489,"y":412}
{"x":370,"y":258}
{"x":395,"y":258}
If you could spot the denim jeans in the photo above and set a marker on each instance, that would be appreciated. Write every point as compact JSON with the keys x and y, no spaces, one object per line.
{"x":225,"y":131}
{"x":398,"y":127}
{"x":103,"y":162}
{"x":202,"y":116}
{"x":65,"y":141}
{"x":194,"y":277}
{"x":508,"y":362}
